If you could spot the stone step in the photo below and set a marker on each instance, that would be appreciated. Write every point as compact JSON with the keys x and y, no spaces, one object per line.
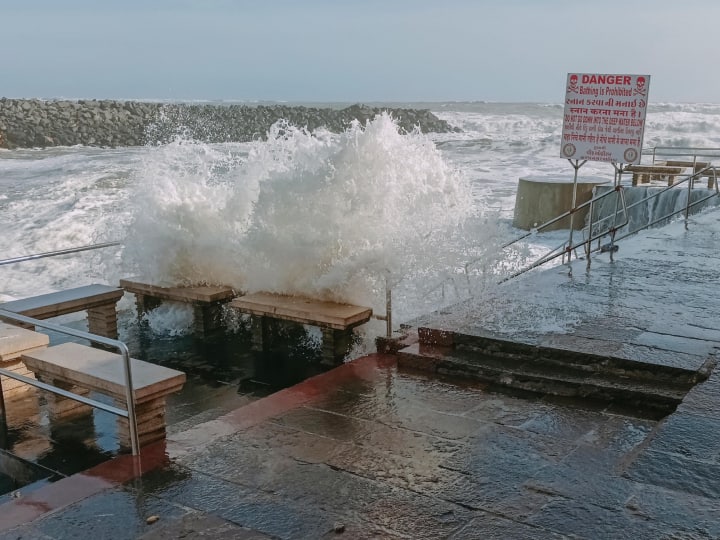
{"x":542,"y":378}
{"x":576,"y":352}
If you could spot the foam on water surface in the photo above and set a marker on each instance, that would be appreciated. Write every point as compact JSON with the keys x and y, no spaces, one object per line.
{"x":318,"y":214}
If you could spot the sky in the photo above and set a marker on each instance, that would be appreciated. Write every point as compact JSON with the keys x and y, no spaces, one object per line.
{"x":353,"y":51}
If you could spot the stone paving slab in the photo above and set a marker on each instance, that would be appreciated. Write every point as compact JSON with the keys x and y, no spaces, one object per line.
{"x":371,"y":451}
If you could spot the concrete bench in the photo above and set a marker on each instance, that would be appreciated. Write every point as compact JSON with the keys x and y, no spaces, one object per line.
{"x":206,"y":300}
{"x":644,"y":174}
{"x":697,"y":166}
{"x":336,"y":320}
{"x":14,"y":342}
{"x":81,"y":369}
{"x":98,"y":300}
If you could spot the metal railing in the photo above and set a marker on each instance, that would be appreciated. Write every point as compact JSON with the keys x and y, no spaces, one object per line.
{"x":620,"y":218}
{"x":706,"y":172}
{"x":566,"y":248}
{"x":57,"y":253}
{"x":693,"y":153}
{"x":128,"y":413}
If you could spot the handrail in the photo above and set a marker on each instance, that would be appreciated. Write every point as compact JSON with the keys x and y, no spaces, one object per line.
{"x":119,"y":345}
{"x":24,"y":258}
{"x":679,"y":151}
{"x":690,"y":178}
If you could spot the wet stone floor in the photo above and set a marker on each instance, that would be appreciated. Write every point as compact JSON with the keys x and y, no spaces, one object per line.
{"x":223,"y":373}
{"x":370,"y":451}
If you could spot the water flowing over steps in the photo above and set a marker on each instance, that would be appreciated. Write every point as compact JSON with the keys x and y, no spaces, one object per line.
{"x":651,"y":389}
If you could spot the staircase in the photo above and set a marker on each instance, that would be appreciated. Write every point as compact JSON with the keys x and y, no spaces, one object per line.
{"x":640,"y":388}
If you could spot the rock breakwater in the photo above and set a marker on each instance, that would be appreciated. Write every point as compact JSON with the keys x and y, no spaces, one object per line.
{"x":28,"y":123}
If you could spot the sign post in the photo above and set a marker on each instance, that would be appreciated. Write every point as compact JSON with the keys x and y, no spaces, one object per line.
{"x":603,"y":120}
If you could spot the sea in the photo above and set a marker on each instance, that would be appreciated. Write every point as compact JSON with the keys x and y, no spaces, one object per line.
{"x":341,"y":217}
{"x":334,"y":216}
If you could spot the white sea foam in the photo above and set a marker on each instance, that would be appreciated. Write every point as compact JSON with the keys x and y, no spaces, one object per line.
{"x":170,"y":319}
{"x":318,"y":214}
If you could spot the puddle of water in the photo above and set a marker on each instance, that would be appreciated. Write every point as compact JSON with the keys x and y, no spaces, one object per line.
{"x":223,"y":373}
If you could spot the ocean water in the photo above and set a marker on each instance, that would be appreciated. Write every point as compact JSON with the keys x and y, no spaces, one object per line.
{"x":334,"y":216}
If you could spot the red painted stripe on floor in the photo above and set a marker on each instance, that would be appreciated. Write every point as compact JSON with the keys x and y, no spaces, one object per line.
{"x":49,"y":498}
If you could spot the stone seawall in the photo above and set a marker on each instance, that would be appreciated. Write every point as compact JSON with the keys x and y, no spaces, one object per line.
{"x":27,"y":123}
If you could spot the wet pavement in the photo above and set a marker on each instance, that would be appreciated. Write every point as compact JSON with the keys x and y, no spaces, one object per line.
{"x":373,"y":450}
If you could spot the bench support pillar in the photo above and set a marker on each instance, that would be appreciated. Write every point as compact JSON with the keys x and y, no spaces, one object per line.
{"x":102,"y":321}
{"x":207,"y":319}
{"x":145,"y":303}
{"x":150,"y":417}
{"x":335,"y":346}
{"x":12,"y":387}
{"x":259,"y":329}
{"x":60,"y":408}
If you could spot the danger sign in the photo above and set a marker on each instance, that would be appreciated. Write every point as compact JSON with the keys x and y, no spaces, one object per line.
{"x":604,"y":117}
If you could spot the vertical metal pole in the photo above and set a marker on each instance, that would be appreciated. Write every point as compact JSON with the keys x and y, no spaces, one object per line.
{"x":388,"y":306}
{"x":618,"y":176}
{"x":689,"y":196}
{"x":3,"y":420}
{"x":130,"y":398}
{"x":576,"y":165}
{"x":588,"y":247}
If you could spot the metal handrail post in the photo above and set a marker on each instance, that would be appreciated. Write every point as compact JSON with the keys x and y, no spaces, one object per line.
{"x":590,"y":228}
{"x":576,"y":165}
{"x":130,"y":399}
{"x":388,"y":306}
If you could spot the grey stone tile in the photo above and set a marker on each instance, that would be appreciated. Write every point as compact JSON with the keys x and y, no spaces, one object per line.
{"x":200,"y":525}
{"x":583,"y":520}
{"x":588,"y":474}
{"x":684,"y":514}
{"x":116,"y":514}
{"x":689,"y":435}
{"x":677,"y":473}
{"x":494,"y":527}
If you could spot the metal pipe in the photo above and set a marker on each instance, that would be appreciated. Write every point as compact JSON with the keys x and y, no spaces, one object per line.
{"x":388,"y":307}
{"x":590,"y":228}
{"x":65,"y":393}
{"x":119,"y":345}
{"x":575,"y":166}
{"x":58,"y":252}
{"x":547,"y":224}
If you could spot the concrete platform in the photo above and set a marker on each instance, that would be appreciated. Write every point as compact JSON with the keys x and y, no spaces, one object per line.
{"x":373,"y":450}
{"x":654,"y":304}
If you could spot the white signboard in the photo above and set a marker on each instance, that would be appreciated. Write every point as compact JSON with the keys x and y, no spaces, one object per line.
{"x":604,"y":117}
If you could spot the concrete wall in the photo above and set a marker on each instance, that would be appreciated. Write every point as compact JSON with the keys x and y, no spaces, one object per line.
{"x":26,"y":123}
{"x":540,"y":199}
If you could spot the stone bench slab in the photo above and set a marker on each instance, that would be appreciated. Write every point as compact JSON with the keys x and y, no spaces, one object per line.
{"x":103,"y":371}
{"x":303,"y":310}
{"x":200,"y":294}
{"x":58,"y":303}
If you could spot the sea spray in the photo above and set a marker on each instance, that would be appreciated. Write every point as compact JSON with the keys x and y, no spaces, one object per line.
{"x":318,"y":214}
